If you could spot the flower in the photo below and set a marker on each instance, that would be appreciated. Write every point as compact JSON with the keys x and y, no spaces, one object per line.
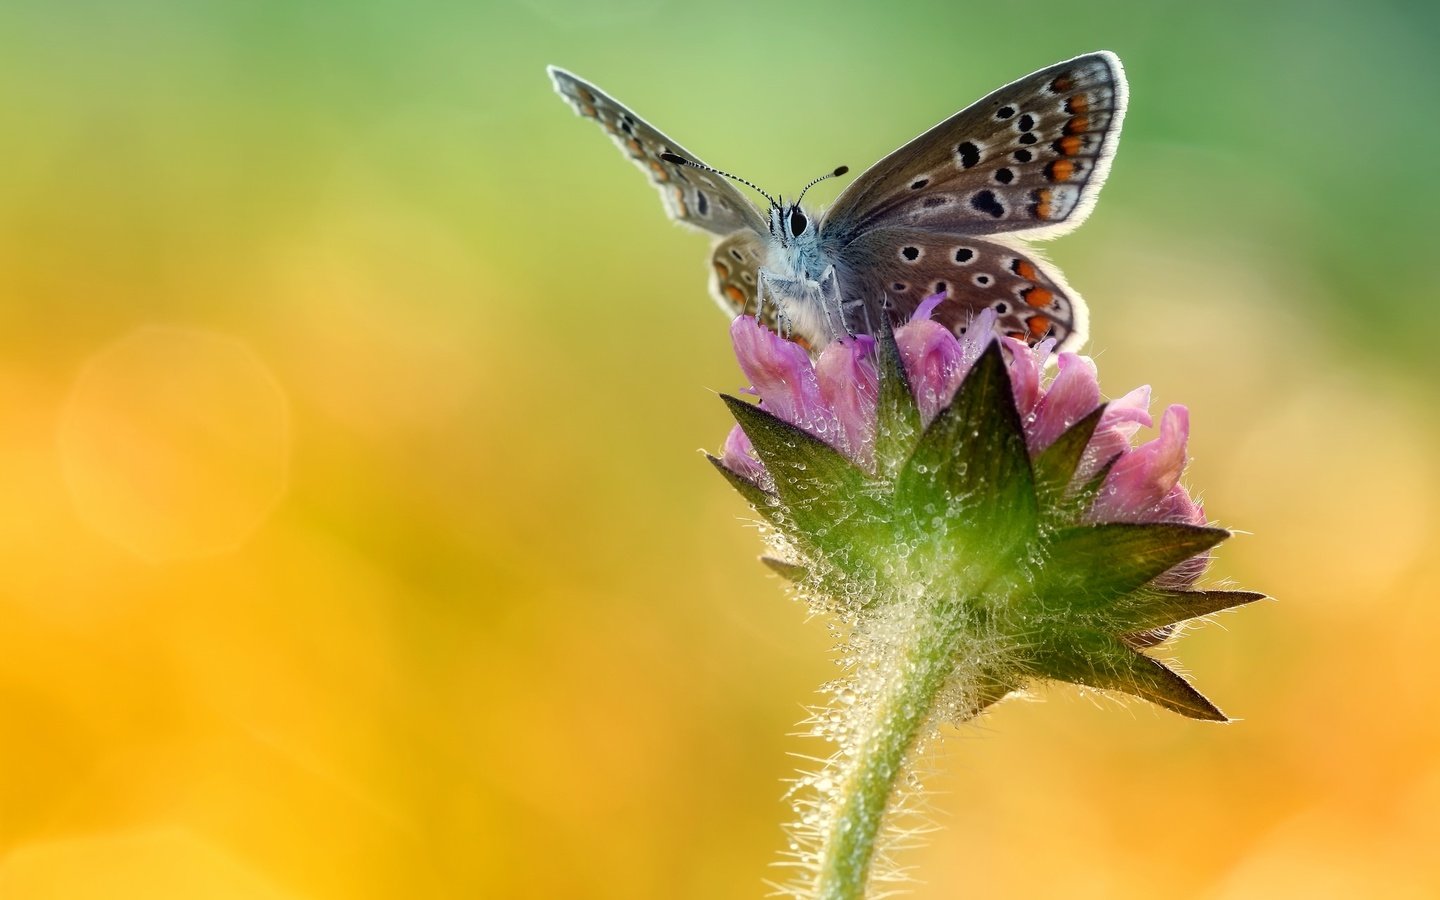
{"x":975,"y":524}
{"x":834,"y":399}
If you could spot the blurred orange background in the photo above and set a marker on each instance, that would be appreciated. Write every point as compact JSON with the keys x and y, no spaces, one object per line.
{"x":354,"y":541}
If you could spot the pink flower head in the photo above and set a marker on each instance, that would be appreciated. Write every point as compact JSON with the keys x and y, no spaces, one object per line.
{"x":834,"y":399}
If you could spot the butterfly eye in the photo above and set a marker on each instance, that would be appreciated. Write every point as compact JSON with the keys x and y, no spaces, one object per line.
{"x":797,"y":222}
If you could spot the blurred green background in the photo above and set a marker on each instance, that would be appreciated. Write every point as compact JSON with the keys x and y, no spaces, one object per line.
{"x":354,"y":541}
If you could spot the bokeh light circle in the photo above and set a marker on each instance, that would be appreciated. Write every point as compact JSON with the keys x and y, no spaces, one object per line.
{"x":175,"y":443}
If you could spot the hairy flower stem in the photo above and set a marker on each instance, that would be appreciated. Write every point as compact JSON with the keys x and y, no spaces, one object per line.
{"x":897,"y":720}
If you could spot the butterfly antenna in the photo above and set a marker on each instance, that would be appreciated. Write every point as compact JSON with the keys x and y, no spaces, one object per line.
{"x":835,"y":174}
{"x":677,"y":159}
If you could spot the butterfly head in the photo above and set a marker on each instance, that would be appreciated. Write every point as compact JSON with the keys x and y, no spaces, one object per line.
{"x":788,"y":222}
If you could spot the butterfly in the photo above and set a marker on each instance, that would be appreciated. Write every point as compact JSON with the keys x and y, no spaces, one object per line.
{"x":950,"y":213}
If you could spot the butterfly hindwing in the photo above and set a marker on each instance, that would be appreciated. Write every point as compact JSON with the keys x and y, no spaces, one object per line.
{"x":691,"y":197}
{"x":905,"y":266}
{"x":734,"y":269}
{"x":1029,"y":158}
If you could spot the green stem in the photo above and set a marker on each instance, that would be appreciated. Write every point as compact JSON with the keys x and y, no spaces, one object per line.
{"x":867,"y":783}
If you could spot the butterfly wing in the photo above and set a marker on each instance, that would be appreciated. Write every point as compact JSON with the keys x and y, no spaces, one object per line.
{"x":904,"y":266}
{"x":1029,"y":158}
{"x":735,"y":263}
{"x":691,"y":197}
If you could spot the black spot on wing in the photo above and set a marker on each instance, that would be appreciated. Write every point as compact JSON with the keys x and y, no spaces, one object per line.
{"x":986,"y":202}
{"x":969,"y":154}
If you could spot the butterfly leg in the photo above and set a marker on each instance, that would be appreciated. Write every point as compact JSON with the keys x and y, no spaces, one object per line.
{"x":778,"y":287}
{"x":839,"y":313}
{"x":761,"y":283}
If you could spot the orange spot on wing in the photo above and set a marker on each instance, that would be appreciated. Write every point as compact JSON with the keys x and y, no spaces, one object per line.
{"x":1077,"y":104}
{"x":1069,"y":145}
{"x":1062,"y":83}
{"x":721,"y":271}
{"x":635,"y":148}
{"x":1017,"y":335}
{"x":659,"y":170}
{"x":584,"y":94}
{"x":1025,"y":269}
{"x":1078,"y":125}
{"x":736,"y":295}
{"x":1060,"y":170}
{"x":1042,"y":203}
{"x":1037,"y":296}
{"x":587,"y":110}
{"x":1039,"y":326}
{"x":680,"y":208}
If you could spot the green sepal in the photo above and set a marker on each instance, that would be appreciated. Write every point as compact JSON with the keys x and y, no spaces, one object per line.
{"x":990,"y":691}
{"x":826,"y":501}
{"x":1097,"y":660}
{"x":1141,"y":640}
{"x":754,"y":494}
{"x":787,"y":570}
{"x":897,"y":415}
{"x":1088,"y":566}
{"x":1055,"y":467}
{"x":1073,"y":506}
{"x":971,"y":465}
{"x":1150,"y":610}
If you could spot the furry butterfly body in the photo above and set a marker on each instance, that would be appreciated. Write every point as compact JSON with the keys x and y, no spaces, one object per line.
{"x":950,"y":212}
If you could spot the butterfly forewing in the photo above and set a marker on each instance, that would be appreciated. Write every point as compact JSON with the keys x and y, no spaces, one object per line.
{"x":692,"y":197}
{"x":1028,"y":158}
{"x":904,"y":266}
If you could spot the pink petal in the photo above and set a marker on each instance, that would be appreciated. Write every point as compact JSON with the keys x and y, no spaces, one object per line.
{"x":936,"y":361}
{"x":1072,"y":395}
{"x":978,"y":335}
{"x":1129,"y":413}
{"x":1122,"y":418}
{"x":782,"y":375}
{"x":1143,"y":479}
{"x":849,"y":384}
{"x":1027,"y":365}
{"x":931,"y":355}
{"x":926,"y":307}
{"x":738,"y":455}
